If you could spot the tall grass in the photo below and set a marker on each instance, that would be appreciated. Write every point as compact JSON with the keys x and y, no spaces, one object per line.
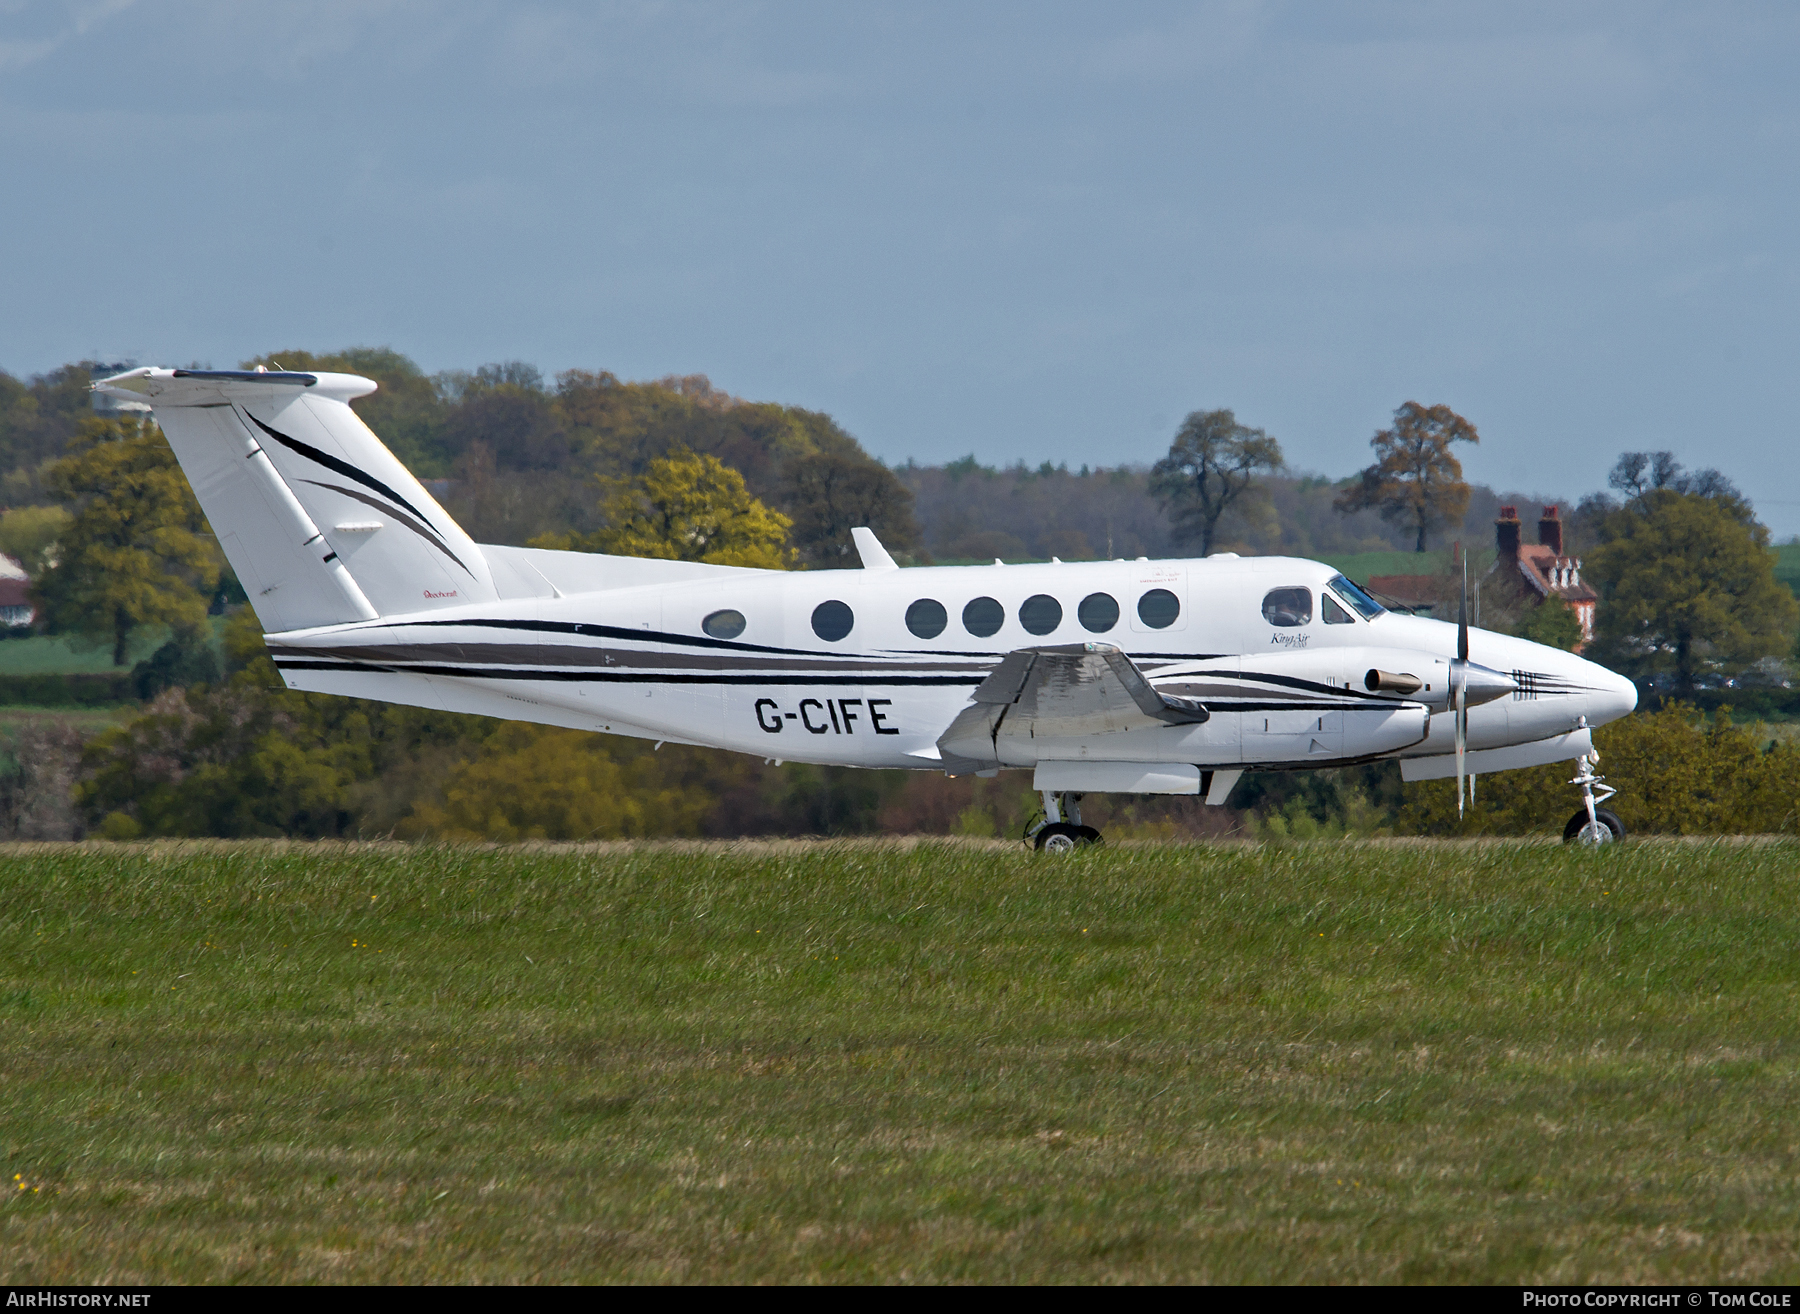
{"x":1288,"y":1062}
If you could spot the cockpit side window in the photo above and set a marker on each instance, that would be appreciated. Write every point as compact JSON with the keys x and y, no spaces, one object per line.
{"x":1363,"y":603}
{"x":1334,"y":614}
{"x":1288,"y":607}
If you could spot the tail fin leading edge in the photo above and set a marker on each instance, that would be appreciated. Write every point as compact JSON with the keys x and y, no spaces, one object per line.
{"x":322,"y":523}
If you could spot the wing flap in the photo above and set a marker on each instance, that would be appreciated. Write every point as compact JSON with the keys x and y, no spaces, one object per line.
{"x":1078,"y":690}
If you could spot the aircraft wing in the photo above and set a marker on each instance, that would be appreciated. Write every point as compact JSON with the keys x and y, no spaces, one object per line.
{"x":1069,"y":690}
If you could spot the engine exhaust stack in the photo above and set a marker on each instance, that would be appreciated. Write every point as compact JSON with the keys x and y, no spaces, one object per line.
{"x":1388,"y":682}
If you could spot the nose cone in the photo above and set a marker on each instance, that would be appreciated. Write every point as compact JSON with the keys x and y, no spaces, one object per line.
{"x":1609,"y":695}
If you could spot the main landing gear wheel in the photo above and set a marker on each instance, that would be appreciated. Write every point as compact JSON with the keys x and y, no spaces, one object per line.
{"x":1061,"y":830}
{"x":1605,"y":828}
{"x":1061,"y":837}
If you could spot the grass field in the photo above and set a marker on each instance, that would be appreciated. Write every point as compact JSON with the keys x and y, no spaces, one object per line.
{"x":1407,"y":1062}
{"x":1787,"y":565}
{"x":61,"y":654}
{"x":88,"y":720}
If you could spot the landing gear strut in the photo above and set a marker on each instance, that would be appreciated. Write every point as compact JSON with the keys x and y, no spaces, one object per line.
{"x":1060,"y":830}
{"x":1593,"y":824}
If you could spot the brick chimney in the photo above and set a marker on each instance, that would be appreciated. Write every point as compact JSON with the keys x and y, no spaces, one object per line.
{"x":1550,"y":530}
{"x":1506,"y":536}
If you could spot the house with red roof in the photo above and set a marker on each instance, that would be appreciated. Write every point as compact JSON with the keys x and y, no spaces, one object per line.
{"x":1541,"y":570}
{"x":16,"y":607}
{"x":1545,"y":570}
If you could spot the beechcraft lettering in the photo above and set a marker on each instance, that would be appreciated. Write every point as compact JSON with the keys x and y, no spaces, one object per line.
{"x":1133,"y":677}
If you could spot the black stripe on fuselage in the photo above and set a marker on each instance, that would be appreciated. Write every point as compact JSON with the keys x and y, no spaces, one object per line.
{"x":589,"y":629}
{"x":1295,"y":682}
{"x":627,"y":677}
{"x":1245,"y":705}
{"x":1135,"y":656}
{"x":546,"y":655}
{"x":593,"y":629}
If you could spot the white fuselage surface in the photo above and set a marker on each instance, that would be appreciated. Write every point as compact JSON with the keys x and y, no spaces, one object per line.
{"x":635,"y":660}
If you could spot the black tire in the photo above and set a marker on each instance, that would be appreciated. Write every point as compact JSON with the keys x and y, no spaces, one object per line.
{"x":1572,"y":833}
{"x":1061,"y":837}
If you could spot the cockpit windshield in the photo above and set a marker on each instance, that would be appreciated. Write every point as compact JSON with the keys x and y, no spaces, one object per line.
{"x":1363,"y":603}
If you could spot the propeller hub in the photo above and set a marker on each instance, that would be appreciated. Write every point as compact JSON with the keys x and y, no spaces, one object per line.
{"x":1483,"y":683}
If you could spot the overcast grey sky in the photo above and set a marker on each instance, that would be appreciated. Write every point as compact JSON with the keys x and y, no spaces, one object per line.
{"x":1033,"y":231}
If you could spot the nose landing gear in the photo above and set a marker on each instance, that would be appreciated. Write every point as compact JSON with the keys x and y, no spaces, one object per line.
{"x":1060,"y":829}
{"x":1593,"y":824}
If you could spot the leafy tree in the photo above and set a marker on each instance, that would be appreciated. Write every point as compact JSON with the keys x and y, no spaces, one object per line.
{"x":1639,"y":474}
{"x":505,"y":408}
{"x":619,"y":428}
{"x":39,"y":418}
{"x":30,"y":533}
{"x":1684,"y":580}
{"x":831,"y":493}
{"x":1677,"y":775}
{"x":1211,"y":462}
{"x":1552,"y":622}
{"x":136,"y":551}
{"x":533,"y":782}
{"x":1416,"y":480}
{"x":685,"y":508}
{"x":187,"y":659}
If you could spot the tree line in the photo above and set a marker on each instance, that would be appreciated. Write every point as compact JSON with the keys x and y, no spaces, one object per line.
{"x":677,"y":468}
{"x":103,"y":519}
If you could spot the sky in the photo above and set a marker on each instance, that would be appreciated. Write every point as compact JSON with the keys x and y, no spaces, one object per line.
{"x":1030,"y":232}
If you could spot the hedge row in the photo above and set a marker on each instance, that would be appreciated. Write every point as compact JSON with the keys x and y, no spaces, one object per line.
{"x":1745,"y":704}
{"x":67,"y":690}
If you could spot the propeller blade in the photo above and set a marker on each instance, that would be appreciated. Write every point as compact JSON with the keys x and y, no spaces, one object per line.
{"x":1462,"y":609}
{"x":1459,"y":679}
{"x":1462,"y":736}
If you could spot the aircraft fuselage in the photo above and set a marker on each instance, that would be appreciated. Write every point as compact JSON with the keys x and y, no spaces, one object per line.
{"x":638,"y":660}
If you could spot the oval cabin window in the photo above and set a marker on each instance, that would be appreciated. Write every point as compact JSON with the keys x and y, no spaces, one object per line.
{"x":832,"y":620}
{"x":1159,"y":609}
{"x":724,"y":624}
{"x":926,"y":618}
{"x":1287,"y":607}
{"x":1098,"y":613}
{"x":984,"y":617}
{"x":1040,"y":613}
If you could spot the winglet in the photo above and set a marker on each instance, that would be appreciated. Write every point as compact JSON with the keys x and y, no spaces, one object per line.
{"x":874,"y":556}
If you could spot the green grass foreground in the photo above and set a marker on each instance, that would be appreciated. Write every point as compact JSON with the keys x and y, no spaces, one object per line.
{"x":1401,"y":1062}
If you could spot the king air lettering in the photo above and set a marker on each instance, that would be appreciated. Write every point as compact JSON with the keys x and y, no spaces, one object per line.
{"x":826,"y":716}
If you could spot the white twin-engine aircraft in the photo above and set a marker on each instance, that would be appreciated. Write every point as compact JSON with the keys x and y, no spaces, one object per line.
{"x":1130,"y":677}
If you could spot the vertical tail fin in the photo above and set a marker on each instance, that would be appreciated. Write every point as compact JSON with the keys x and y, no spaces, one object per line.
{"x":322,"y":524}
